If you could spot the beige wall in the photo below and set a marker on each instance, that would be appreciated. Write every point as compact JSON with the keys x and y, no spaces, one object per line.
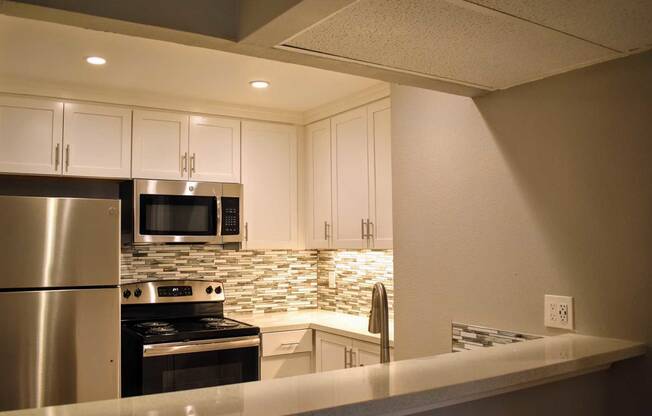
{"x":542,"y":188}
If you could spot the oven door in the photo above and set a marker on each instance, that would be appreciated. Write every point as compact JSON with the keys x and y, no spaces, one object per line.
{"x":177,"y":212}
{"x":196,"y":364}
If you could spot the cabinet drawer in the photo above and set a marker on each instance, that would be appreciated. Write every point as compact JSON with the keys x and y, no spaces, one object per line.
{"x":287,"y":342}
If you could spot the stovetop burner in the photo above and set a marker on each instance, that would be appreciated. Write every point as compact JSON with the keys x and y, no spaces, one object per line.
{"x":152,"y":324}
{"x":214,"y":322}
{"x":161,"y":330}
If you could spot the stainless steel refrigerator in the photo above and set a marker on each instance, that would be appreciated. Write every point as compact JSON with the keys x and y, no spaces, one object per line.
{"x":59,"y":301}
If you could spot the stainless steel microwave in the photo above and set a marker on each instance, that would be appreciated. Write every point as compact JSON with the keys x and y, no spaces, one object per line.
{"x":185,"y":212}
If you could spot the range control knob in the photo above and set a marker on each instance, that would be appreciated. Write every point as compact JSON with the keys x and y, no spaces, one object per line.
{"x":209,"y":290}
{"x":138,"y":292}
{"x":218,"y":289}
{"x":126,"y":293}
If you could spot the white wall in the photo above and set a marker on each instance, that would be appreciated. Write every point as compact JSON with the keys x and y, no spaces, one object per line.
{"x":542,"y":188}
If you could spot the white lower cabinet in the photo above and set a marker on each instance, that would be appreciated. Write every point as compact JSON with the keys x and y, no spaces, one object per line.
{"x":335,"y":352}
{"x":286,"y":353}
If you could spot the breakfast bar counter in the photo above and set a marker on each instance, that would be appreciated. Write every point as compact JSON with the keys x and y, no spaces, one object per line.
{"x":401,"y":387}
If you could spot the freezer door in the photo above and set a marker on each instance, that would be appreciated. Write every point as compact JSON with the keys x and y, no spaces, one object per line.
{"x":59,"y":242}
{"x":58,"y":347}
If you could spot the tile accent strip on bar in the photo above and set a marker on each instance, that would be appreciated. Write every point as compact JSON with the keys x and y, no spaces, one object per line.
{"x":469,"y":337}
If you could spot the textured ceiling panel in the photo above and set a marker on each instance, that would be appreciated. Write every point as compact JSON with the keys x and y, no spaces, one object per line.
{"x":625,"y":25}
{"x":448,"y":39}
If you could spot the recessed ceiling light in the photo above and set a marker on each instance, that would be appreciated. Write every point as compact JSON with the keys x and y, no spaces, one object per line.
{"x":96,"y":60}
{"x":259,"y":84}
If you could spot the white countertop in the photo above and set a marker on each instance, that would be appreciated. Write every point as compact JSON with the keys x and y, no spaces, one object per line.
{"x":397,"y":387}
{"x":351,"y":326}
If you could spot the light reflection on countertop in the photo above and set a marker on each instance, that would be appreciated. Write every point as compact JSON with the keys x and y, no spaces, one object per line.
{"x":401,"y":386}
{"x":351,"y":326}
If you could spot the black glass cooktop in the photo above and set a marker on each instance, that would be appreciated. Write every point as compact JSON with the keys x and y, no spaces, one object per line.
{"x":180,"y":329}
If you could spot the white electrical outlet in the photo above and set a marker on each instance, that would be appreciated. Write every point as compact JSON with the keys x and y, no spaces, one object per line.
{"x":558,"y":312}
{"x":331,"y":280}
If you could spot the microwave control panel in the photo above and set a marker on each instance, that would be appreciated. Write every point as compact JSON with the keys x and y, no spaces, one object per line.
{"x":230,"y":215}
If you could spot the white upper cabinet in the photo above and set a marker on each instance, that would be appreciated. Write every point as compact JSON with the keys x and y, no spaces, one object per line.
{"x":30,"y":135}
{"x":214,"y":149}
{"x":380,"y":174}
{"x":350,"y":179}
{"x":160,"y":149}
{"x":97,"y":141}
{"x":318,"y":183}
{"x":269,"y":177}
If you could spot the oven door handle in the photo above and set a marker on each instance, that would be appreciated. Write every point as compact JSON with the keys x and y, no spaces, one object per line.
{"x":155,"y":350}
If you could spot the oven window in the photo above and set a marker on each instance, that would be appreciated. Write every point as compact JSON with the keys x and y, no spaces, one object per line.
{"x":197,"y":370}
{"x":178,"y":215}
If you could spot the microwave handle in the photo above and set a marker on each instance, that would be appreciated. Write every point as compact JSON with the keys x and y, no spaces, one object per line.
{"x":219,"y":216}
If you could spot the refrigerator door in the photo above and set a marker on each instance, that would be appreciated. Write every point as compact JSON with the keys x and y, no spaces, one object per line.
{"x":59,"y":242}
{"x":58,"y":347}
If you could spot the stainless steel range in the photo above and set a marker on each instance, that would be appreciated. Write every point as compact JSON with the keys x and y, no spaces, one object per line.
{"x":175,"y":337}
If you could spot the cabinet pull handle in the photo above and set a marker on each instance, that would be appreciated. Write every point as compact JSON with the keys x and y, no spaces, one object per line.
{"x":56,"y":158}
{"x":364,"y":236}
{"x":353,"y":354}
{"x":326,"y":230}
{"x":67,"y":156}
{"x":371,"y":229}
{"x":192,"y":163}
{"x":346,"y":361}
{"x":184,"y":162}
{"x":246,"y":236}
{"x":287,"y":344}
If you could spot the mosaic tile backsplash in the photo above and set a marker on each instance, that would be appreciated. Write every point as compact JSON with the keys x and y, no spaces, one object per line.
{"x":469,"y":337}
{"x":255,"y":280}
{"x":356,"y":272}
{"x":261,"y":281}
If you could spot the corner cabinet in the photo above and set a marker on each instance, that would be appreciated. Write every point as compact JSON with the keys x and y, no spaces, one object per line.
{"x":318,"y":183}
{"x":349,"y":179}
{"x":269,"y":178}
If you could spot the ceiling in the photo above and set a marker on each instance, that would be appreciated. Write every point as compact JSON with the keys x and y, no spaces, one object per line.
{"x":465,"y":47}
{"x":49,"y":52}
{"x":490,"y":44}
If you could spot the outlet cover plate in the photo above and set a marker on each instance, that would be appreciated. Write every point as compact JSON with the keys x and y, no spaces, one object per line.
{"x":558,"y":312}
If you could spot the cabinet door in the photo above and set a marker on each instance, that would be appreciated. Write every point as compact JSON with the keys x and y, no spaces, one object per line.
{"x":97,"y":141}
{"x":330,"y":351}
{"x":269,"y":177}
{"x":380,"y":174}
{"x":350,"y":178}
{"x":214,"y":149}
{"x":365,"y":353}
{"x":318,"y":180}
{"x":285,"y":365}
{"x":30,"y":135}
{"x":160,"y":148}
